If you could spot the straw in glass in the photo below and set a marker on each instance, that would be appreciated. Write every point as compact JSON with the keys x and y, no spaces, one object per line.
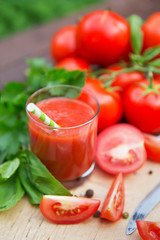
{"x":31,"y":107}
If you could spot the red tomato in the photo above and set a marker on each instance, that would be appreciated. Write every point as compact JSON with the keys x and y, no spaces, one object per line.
{"x":151,"y":31}
{"x":120,"y":148}
{"x":152,"y":145}
{"x":113,"y":205}
{"x":123,"y":80}
{"x":73,"y":63}
{"x":67,"y":210}
{"x":102,"y":37}
{"x":142,"y":111}
{"x":148,"y":230}
{"x":110,"y":103}
{"x":63,"y":43}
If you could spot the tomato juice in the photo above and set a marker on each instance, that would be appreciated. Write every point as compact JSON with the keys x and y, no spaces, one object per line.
{"x":67,"y":152}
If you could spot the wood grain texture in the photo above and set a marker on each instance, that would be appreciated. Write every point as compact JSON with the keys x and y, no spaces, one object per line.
{"x":25,"y":222}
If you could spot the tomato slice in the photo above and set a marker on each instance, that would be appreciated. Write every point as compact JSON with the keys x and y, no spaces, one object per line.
{"x":148,"y":230}
{"x":66,"y":209}
{"x":113,"y":205}
{"x":120,"y":148}
{"x":152,"y":145}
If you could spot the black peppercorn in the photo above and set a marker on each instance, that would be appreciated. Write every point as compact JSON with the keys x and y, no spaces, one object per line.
{"x":89,"y":193}
{"x":97,"y":214}
{"x":150,"y":172}
{"x":125,"y":215}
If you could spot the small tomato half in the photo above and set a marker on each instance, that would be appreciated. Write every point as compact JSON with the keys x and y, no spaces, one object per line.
{"x":148,"y":230}
{"x":113,"y":205}
{"x":152,"y":145}
{"x":120,"y":148}
{"x":66,"y":209}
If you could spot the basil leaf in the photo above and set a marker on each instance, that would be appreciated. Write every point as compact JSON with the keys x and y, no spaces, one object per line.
{"x":40,"y":177}
{"x":136,"y":34}
{"x":14,"y":93}
{"x":26,"y":181}
{"x":35,"y":73}
{"x":62,"y":76}
{"x":8,"y":168}
{"x":11,"y":192}
{"x":151,"y":53}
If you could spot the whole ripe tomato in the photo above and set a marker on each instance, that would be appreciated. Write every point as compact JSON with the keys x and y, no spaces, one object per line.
{"x":151,"y":31}
{"x":152,"y":145}
{"x":63,"y":43}
{"x":148,"y":230}
{"x":141,"y":110}
{"x":110,"y":102}
{"x":67,"y":210}
{"x":120,"y":148}
{"x":113,"y":205}
{"x":102,"y":37}
{"x":123,"y":80}
{"x":73,"y":63}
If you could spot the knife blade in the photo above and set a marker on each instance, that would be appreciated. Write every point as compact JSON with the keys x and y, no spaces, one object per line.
{"x":143,"y":209}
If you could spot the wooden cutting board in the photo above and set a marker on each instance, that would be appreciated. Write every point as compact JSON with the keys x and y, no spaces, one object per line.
{"x":24,"y":221}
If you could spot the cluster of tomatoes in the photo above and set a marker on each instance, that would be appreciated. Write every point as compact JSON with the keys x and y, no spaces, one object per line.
{"x":103,"y":38}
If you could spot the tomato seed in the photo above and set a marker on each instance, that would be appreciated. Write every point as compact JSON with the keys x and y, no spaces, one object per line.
{"x":89,"y":193}
{"x":57,"y":212}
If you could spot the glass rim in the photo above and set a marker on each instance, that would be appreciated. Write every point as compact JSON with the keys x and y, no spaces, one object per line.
{"x":63,"y":128}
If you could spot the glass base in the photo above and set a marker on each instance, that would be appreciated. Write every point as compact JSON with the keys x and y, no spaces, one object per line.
{"x":70,"y":184}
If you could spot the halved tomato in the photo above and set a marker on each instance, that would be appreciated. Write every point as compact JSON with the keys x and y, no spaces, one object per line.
{"x":66,"y":209}
{"x":148,"y":230}
{"x":120,"y":148}
{"x":113,"y":205}
{"x":152,"y":145}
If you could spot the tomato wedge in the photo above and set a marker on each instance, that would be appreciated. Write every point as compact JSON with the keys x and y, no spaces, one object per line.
{"x":113,"y":205}
{"x":152,"y":145}
{"x":120,"y":148}
{"x":148,"y":230}
{"x":66,"y":209}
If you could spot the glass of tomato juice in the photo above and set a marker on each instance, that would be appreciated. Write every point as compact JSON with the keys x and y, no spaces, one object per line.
{"x":68,"y":152}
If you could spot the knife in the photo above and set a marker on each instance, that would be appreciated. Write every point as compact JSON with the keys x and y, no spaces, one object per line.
{"x":147,"y":204}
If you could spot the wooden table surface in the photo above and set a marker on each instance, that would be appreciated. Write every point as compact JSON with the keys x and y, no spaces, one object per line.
{"x":25,"y":221}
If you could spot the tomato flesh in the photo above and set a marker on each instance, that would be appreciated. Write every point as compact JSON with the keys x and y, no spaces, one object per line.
{"x":114,"y":203}
{"x":66,"y":209}
{"x":152,"y":145}
{"x":148,"y":230}
{"x":120,"y":148}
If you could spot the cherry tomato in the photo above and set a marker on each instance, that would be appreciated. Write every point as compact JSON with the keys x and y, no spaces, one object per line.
{"x":152,"y":145}
{"x":148,"y":230}
{"x":151,"y":31}
{"x":113,"y":205}
{"x":143,"y":111}
{"x":63,"y":43}
{"x":110,"y":102}
{"x":102,"y":37}
{"x":67,"y":210}
{"x":120,"y":148}
{"x":123,"y":80}
{"x":73,"y":63}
